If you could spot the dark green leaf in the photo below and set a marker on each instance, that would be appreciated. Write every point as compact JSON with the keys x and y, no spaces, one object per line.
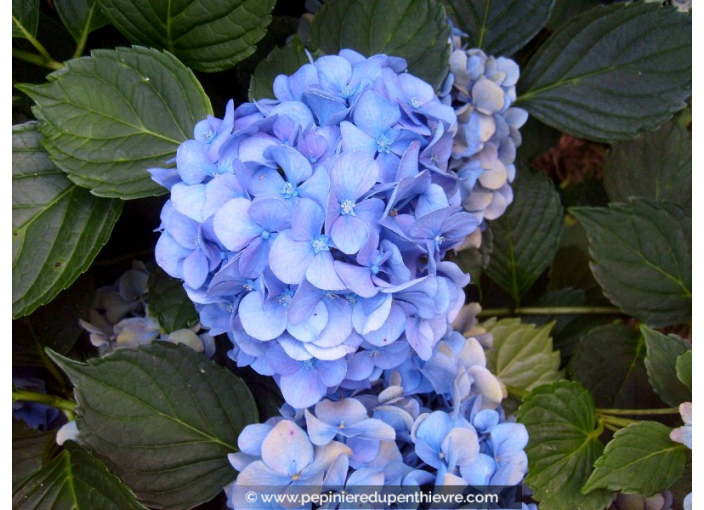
{"x":611,"y":72}
{"x":169,"y":303}
{"x":108,"y":118}
{"x":25,"y":18}
{"x":536,"y":139}
{"x":416,"y":30}
{"x":499,"y":27}
{"x":640,"y":459}
{"x":286,"y":60}
{"x":565,"y":10}
{"x":522,"y":355}
{"x":642,"y":253}
{"x":75,"y":480}
{"x":30,"y":451}
{"x":608,"y":361}
{"x":57,"y":227}
{"x":80,"y":17}
{"x":164,"y":418}
{"x":661,"y":362}
{"x":208,"y":35}
{"x":562,"y":446}
{"x":473,"y":260}
{"x":684,"y":369}
{"x":527,"y":236}
{"x":656,"y":165}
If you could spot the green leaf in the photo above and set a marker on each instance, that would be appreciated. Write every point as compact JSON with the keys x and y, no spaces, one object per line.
{"x":80,"y":17}
{"x":562,"y":446}
{"x":684,"y":369}
{"x":527,"y":236}
{"x":660,"y":363}
{"x":611,"y":72}
{"x":499,"y":27}
{"x":416,"y":30}
{"x":640,"y":459}
{"x":109,"y":117}
{"x":25,"y":18}
{"x":208,"y":35}
{"x":57,"y":227}
{"x":168,"y":302}
{"x":75,"y":480}
{"x":608,"y":361}
{"x":565,"y":10}
{"x":30,"y":451}
{"x":286,"y":60}
{"x":522,"y":355}
{"x":642,"y":258}
{"x":656,"y":165}
{"x":164,"y":418}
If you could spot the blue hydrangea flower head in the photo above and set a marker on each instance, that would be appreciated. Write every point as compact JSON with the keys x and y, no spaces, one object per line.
{"x":311,"y":227}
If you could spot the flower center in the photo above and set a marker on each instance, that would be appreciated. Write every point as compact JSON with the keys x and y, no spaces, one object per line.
{"x":320,"y":243}
{"x":288,"y":190}
{"x":347,"y":207}
{"x":330,"y":295}
{"x":374,"y":269}
{"x":439,"y":240}
{"x":351,"y":299}
{"x":309,"y":364}
{"x":249,"y":285}
{"x":285,"y":298}
{"x":415,"y":103}
{"x":266,"y":234}
{"x":384,"y":142}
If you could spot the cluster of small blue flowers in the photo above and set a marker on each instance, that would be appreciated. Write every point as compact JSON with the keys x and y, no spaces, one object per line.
{"x":312,"y":226}
{"x":482,"y":90}
{"x":119,"y":318}
{"x":435,"y":422}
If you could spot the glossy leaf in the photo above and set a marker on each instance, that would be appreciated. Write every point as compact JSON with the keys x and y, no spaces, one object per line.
{"x":208,"y":35}
{"x":80,"y":17}
{"x":416,"y":30}
{"x":25,"y":18}
{"x":75,"y":480}
{"x":656,"y":165}
{"x":642,"y":258}
{"x":661,"y":361}
{"x":608,"y":361}
{"x":562,"y":446}
{"x":169,"y":303}
{"x":57,"y":227}
{"x":684,"y":369}
{"x":110,"y":117}
{"x":611,"y":72}
{"x":640,"y":459}
{"x":522,"y":355}
{"x":527,"y":236}
{"x":499,"y":27}
{"x":286,"y":60}
{"x":164,"y":418}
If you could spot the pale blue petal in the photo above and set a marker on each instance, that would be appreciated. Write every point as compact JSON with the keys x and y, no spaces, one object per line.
{"x":289,"y":259}
{"x":392,"y":328}
{"x":354,"y":139}
{"x":357,"y":279}
{"x":352,"y":175}
{"x":287,"y":449}
{"x":320,"y":433}
{"x":169,"y":255}
{"x":258,"y":323}
{"x":189,"y":200}
{"x":233,"y":226}
{"x":373,"y":114}
{"x":193,"y":163}
{"x":195,"y":269}
{"x":349,"y":233}
{"x":308,"y":330}
{"x":294,"y":164}
{"x":321,"y":272}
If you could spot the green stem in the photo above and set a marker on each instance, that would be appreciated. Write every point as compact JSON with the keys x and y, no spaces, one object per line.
{"x":551,"y":310}
{"x":33,"y":40}
{"x":610,"y":427}
{"x":43,"y":398}
{"x":48,"y":363}
{"x":639,"y":412}
{"x":618,"y":422}
{"x":516,"y":392}
{"x":35,"y":59}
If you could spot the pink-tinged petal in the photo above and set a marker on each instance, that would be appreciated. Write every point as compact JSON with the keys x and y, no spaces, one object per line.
{"x":308,"y":330}
{"x":391,"y":330}
{"x":325,"y":456}
{"x":352,"y":175}
{"x":294,"y":164}
{"x":232,"y":224}
{"x":260,"y":324}
{"x":169,"y":255}
{"x":420,"y":336}
{"x":374,"y":114}
{"x":189,"y":200}
{"x":349,"y":233}
{"x":354,"y":139}
{"x":321,"y":273}
{"x":357,"y":279}
{"x":287,"y":449}
{"x":289,"y":259}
